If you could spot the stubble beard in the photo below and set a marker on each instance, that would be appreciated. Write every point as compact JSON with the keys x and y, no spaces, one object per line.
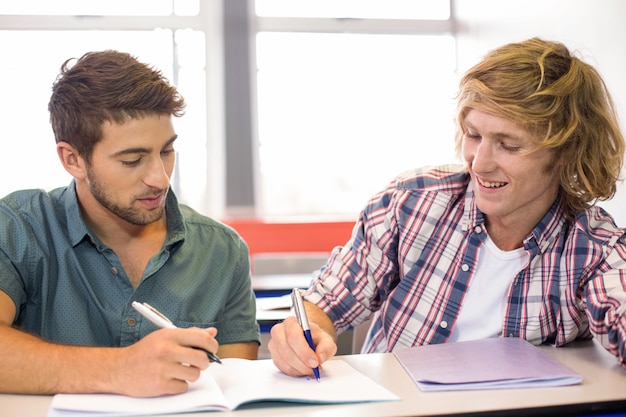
{"x":131,"y":215}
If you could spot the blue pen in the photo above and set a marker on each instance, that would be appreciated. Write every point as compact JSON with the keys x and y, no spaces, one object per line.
{"x":298,"y":306}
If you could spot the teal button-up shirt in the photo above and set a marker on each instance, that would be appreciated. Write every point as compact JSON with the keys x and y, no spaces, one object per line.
{"x":69,"y":287}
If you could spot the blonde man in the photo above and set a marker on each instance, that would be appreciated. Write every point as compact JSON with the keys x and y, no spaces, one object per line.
{"x":511,"y":244}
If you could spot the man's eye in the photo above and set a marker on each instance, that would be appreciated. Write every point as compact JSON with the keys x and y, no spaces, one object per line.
{"x":131,"y":163}
{"x":166,"y":152}
{"x":510,"y":148}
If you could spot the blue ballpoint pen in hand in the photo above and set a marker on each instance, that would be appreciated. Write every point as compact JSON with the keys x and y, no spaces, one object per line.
{"x":298,"y":305}
{"x":159,"y":319}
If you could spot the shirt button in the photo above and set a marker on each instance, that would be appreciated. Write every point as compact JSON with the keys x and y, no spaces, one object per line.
{"x":131,"y":322}
{"x":478,"y":229}
{"x":444,"y":324}
{"x":465,"y":267}
{"x":114,"y":270}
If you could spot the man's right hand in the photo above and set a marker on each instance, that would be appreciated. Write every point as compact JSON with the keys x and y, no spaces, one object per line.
{"x":291,"y":352}
{"x":164,"y":362}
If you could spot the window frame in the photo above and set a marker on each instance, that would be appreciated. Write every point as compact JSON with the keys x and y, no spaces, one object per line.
{"x":242,"y":183}
{"x":230,"y":27}
{"x":209,"y":21}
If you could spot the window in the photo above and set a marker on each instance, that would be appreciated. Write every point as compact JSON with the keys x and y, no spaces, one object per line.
{"x":35,"y":57}
{"x":356,"y":9}
{"x":102,"y":8}
{"x":295,"y":108}
{"x":346,"y":101}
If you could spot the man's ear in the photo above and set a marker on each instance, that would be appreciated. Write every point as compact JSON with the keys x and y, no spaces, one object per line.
{"x":71,"y":160}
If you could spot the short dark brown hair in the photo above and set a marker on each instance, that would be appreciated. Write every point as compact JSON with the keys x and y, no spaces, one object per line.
{"x":107,"y":86}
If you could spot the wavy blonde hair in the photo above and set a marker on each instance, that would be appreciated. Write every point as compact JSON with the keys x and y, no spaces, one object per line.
{"x":563,"y":102}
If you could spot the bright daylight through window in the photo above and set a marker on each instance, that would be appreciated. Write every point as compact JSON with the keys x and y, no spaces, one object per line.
{"x":340,"y":114}
{"x":345,"y":94}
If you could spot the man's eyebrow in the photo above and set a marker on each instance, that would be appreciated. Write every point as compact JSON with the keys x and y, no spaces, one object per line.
{"x":130,"y":151}
{"x":497,"y":135}
{"x":509,"y":136}
{"x":169,"y":142}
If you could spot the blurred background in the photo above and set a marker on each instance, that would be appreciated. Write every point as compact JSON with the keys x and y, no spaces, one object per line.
{"x":298,"y":110}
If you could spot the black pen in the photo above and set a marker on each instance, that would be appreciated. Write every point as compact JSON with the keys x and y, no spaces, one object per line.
{"x":159,"y":319}
{"x":298,"y":306}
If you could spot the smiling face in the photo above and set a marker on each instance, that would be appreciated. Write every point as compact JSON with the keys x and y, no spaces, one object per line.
{"x":513,"y":181}
{"x":130,"y":169}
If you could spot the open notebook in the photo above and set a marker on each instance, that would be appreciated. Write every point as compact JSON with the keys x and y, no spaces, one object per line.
{"x":230,"y":385}
{"x":496,"y":363}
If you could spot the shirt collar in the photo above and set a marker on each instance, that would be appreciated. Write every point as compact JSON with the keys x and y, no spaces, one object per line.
{"x":78,"y":230}
{"x":472,"y":217}
{"x":548,"y":228}
{"x":540,"y":238}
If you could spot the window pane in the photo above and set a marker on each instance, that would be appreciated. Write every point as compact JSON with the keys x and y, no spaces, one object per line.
{"x":186,"y":7}
{"x":340,"y":114}
{"x":88,"y":8}
{"x":190,"y":180}
{"x":373,"y":9}
{"x":26,"y":80}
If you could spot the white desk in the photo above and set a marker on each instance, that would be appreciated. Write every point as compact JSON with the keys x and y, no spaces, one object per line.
{"x":604,"y":382}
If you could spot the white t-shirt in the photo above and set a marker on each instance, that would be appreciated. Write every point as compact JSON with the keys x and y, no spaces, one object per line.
{"x":482,"y":311}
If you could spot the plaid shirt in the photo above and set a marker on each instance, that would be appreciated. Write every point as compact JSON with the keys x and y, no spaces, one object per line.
{"x":414,"y":250}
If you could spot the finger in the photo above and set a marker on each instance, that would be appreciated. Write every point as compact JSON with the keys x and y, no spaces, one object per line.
{"x":185,"y":373}
{"x":325,"y":345}
{"x":201,"y":339}
{"x":290,"y":351}
{"x":212,"y":331}
{"x":169,"y":386}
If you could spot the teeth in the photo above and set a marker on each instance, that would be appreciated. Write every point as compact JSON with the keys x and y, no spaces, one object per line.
{"x":489,"y":184}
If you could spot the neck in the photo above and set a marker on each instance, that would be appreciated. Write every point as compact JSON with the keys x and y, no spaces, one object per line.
{"x":508,"y":236}
{"x":112,"y":229}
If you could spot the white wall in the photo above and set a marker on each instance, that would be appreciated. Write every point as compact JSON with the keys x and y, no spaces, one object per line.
{"x":593,"y":27}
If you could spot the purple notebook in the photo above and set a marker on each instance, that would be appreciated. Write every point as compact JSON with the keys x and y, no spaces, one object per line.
{"x":496,"y":363}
